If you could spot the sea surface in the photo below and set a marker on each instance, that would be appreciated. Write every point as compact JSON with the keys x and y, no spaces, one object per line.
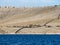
{"x":29,"y":39}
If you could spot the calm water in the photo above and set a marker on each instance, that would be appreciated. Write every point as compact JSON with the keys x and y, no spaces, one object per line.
{"x":29,"y":39}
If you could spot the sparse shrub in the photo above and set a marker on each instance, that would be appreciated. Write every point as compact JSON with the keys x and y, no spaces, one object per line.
{"x":44,"y":25}
{"x":37,"y":25}
{"x":33,"y":26}
{"x":55,"y":5}
{"x":30,"y":26}
{"x":58,"y":26}
{"x":14,"y":26}
{"x":5,"y":6}
{"x":48,"y":26}
{"x":13,"y":7}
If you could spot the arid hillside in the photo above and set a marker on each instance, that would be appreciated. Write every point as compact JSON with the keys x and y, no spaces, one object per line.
{"x":34,"y":20}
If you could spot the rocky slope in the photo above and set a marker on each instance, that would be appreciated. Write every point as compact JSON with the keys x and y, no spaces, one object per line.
{"x":12,"y":19}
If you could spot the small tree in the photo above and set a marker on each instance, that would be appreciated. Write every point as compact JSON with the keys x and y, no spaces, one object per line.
{"x":55,"y":5}
{"x":13,"y":7}
{"x":5,"y":6}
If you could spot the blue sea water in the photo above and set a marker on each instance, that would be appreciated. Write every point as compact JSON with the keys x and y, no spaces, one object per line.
{"x":29,"y":39}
